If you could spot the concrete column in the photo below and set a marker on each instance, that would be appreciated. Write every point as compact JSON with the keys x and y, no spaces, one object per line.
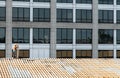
{"x":115,"y":48}
{"x":115,"y":11}
{"x":8,"y":45}
{"x":74,"y":10}
{"x":95,"y":29}
{"x":31,"y":10}
{"x":53,"y":30}
{"x":74,"y":43}
{"x":31,"y":41}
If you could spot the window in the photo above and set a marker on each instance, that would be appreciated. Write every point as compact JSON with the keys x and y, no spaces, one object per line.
{"x":41,"y":35}
{"x":41,"y":0}
{"x":21,"y":14}
{"x":105,"y":1}
{"x":2,"y":13}
{"x":65,"y":1}
{"x":118,"y":16}
{"x":2,"y":35}
{"x":2,"y":53}
{"x":64,"y":15}
{"x":118,"y":36}
{"x":105,"y":16}
{"x":118,"y":2}
{"x":64,"y":54}
{"x":22,"y":0}
{"x":83,"y":16}
{"x":105,"y":36}
{"x":41,"y":15}
{"x":105,"y":54}
{"x":24,"y":54}
{"x":83,"y":54}
{"x":20,"y":35}
{"x":84,"y":1}
{"x":83,"y":36}
{"x":64,"y":36}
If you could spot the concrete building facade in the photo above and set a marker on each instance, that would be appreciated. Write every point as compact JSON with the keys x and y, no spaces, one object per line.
{"x":60,"y":28}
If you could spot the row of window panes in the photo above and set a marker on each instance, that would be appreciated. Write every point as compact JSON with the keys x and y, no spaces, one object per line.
{"x":61,"y":1}
{"x":64,"y":36}
{"x":34,"y":0}
{"x":108,"y":2}
{"x":63,"y":15}
{"x":77,"y":1}
{"x":86,"y":54}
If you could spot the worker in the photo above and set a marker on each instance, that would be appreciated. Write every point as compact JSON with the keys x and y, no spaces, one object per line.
{"x":14,"y":51}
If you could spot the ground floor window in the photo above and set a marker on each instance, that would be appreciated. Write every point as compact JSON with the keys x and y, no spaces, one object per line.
{"x":2,"y":53}
{"x":84,"y":54}
{"x":24,"y":54}
{"x":105,"y":54}
{"x":64,"y":54}
{"x":118,"y":53}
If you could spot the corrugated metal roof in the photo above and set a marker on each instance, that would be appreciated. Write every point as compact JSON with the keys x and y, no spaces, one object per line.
{"x":59,"y":68}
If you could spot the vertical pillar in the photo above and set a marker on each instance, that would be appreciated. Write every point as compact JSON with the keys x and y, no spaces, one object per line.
{"x":74,"y":43}
{"x":31,"y":10}
{"x":8,"y":45}
{"x":74,"y":12}
{"x":95,"y":29}
{"x":53,"y":30}
{"x":31,"y":42}
{"x":115,"y":44}
{"x":115,"y":12}
{"x":115,"y":31}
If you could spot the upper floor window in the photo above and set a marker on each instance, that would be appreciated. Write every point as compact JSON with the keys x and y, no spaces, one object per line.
{"x":84,"y":1}
{"x":105,"y":1}
{"x":21,"y":14}
{"x":41,"y":0}
{"x":105,"y":36}
{"x":65,"y":1}
{"x":64,"y":36}
{"x":20,"y":35}
{"x":118,"y":16}
{"x":2,"y":35}
{"x":83,"y":36}
{"x":118,"y":2}
{"x":41,"y":14}
{"x":118,"y":36}
{"x":2,"y":14}
{"x":22,"y":0}
{"x":64,"y":15}
{"x":41,"y":35}
{"x":83,"y":16}
{"x":105,"y":16}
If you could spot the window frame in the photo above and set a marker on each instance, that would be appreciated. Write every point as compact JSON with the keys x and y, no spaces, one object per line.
{"x":64,"y":15}
{"x":102,"y":18}
{"x":81,"y":34}
{"x":18,"y":33}
{"x":64,"y":54}
{"x":64,"y":37}
{"x":106,"y":33}
{"x":20,"y":16}
{"x":43,"y":18}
